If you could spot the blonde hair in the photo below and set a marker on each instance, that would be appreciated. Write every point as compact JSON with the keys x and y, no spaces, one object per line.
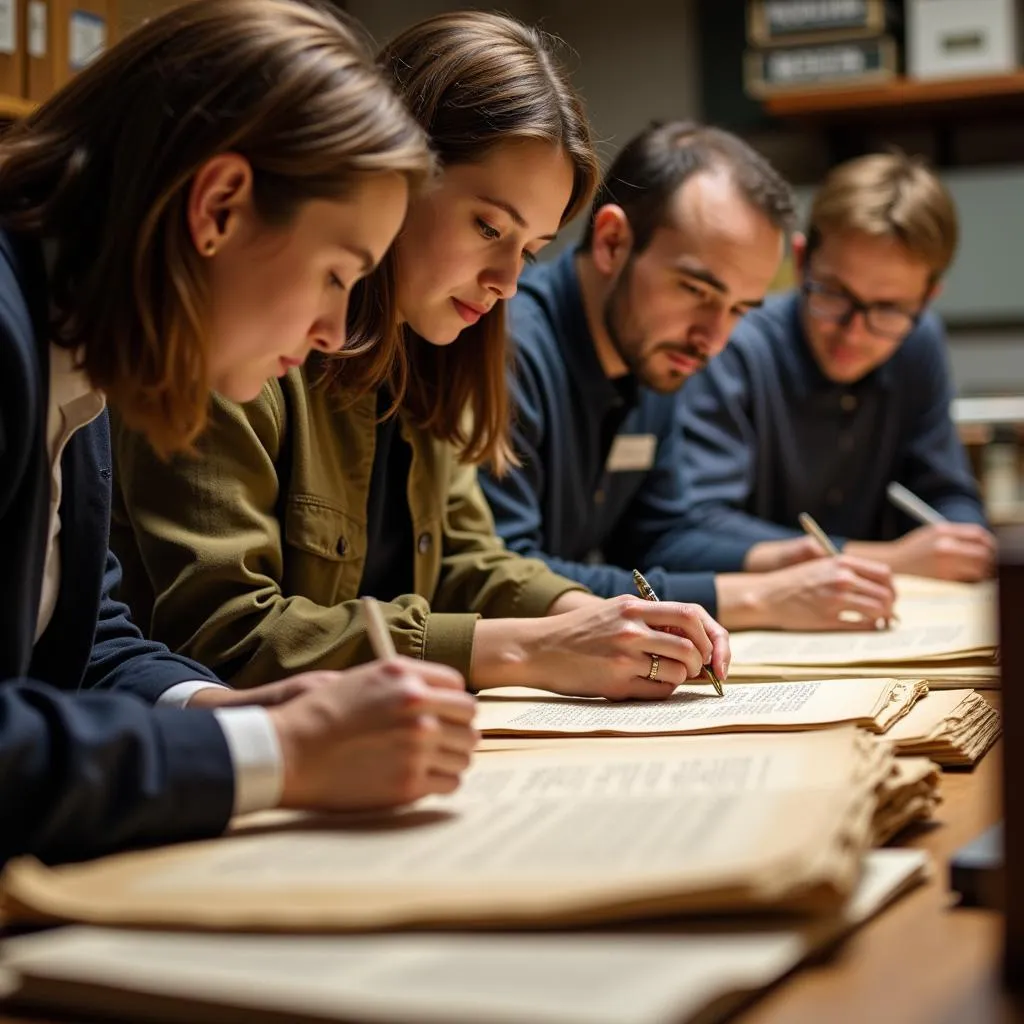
{"x":889,"y":195}
{"x":473,"y":80}
{"x":104,"y":169}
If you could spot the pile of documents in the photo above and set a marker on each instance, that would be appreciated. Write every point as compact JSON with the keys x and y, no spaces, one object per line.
{"x":946,"y":634}
{"x":636,"y":821}
{"x":594,"y":831}
{"x":908,"y":794}
{"x":951,"y":727}
{"x":677,"y":972}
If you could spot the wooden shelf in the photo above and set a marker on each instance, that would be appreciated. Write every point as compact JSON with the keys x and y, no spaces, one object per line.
{"x":901,"y":94}
{"x":15,"y":106}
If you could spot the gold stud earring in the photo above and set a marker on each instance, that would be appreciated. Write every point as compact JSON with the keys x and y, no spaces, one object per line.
{"x":210,"y":247}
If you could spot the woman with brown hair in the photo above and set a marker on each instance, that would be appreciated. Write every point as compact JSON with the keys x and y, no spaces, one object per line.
{"x":190,"y":212}
{"x":357,"y":475}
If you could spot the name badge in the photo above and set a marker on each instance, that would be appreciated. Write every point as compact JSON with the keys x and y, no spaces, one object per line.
{"x":631,"y":453}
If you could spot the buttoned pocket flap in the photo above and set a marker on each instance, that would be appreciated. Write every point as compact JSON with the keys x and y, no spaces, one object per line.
{"x":313,"y":525}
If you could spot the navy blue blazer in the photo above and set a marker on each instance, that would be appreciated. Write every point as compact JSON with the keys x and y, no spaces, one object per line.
{"x":87,"y":765}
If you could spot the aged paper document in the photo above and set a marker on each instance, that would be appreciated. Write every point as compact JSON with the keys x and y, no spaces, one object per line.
{"x":952,"y":727}
{"x":664,"y":975}
{"x":596,"y":832}
{"x":873,"y":704}
{"x":946,"y":635}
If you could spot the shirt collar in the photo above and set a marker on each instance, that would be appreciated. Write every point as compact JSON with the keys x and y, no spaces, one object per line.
{"x":70,"y":389}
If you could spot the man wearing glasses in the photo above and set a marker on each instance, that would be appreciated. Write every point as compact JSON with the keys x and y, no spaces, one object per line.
{"x":685,"y":237}
{"x":826,"y":395}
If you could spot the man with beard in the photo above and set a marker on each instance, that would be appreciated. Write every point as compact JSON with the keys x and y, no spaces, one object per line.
{"x":686,"y":235}
{"x":830,"y":393}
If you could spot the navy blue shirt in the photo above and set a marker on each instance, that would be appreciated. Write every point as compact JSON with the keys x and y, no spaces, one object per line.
{"x":766,"y":436}
{"x":599,"y":492}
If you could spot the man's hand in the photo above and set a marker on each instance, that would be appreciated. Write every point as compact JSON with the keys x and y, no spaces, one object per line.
{"x":947,"y":551}
{"x":809,"y":596}
{"x":770,"y":555}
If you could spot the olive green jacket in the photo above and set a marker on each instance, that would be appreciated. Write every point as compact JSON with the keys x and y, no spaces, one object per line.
{"x":249,"y":557}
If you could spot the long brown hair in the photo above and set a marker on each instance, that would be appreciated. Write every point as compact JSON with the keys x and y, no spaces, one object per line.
{"x":104,"y":170}
{"x":473,"y":80}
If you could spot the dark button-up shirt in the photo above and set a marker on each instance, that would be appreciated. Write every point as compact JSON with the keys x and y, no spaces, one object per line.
{"x":766,"y":436}
{"x":388,"y":572}
{"x":600,"y":489}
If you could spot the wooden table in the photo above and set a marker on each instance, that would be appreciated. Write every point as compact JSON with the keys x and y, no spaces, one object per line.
{"x":922,"y":961}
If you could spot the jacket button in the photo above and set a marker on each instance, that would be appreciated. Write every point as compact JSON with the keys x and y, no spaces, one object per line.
{"x":342,"y":546}
{"x":423,"y":543}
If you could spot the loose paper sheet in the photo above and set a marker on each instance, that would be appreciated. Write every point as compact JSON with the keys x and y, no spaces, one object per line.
{"x":870,"y":703}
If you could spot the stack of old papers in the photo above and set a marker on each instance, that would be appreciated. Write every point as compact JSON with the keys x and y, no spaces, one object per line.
{"x":592,"y":832}
{"x":908,"y":795}
{"x":906,"y":789}
{"x":952,"y":727}
{"x":874,"y":704}
{"x":946,"y":634}
{"x":680,"y":971}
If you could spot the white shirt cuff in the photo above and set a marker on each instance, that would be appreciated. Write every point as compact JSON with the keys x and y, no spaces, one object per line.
{"x":180,"y":694}
{"x":256,"y":757}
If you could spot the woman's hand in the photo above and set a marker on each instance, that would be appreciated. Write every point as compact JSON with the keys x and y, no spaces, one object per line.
{"x":606,"y":648}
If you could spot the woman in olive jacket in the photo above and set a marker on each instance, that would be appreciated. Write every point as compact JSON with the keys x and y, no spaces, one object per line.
{"x":356,"y":474}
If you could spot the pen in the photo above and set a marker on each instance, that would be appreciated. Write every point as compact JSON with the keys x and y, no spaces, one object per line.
{"x":910,"y":503}
{"x":648,"y":594}
{"x":380,"y":638}
{"x":812,"y":529}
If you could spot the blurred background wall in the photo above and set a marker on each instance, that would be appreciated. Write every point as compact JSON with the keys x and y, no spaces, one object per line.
{"x":640,"y":59}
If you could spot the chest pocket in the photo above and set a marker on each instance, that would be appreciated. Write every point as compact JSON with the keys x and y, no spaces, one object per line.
{"x":324,"y":551}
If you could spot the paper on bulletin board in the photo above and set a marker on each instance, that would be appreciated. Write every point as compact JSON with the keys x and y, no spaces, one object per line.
{"x":87,"y":38}
{"x":8,"y":26}
{"x":37,"y":29}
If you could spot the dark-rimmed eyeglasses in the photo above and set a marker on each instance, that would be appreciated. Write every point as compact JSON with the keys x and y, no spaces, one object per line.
{"x":837,"y":306}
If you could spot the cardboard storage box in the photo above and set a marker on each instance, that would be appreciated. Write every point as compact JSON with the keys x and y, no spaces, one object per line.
{"x":788,"y":22}
{"x":947,"y":38}
{"x":822,"y":66}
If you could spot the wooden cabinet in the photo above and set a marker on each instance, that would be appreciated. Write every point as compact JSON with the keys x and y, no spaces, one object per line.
{"x":61,"y":37}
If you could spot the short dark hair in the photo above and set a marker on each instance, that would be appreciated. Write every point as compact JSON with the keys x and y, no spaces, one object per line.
{"x":652,"y":166}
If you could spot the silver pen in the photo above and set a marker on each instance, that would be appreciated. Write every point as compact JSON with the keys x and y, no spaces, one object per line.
{"x":910,"y":503}
{"x":648,"y":594}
